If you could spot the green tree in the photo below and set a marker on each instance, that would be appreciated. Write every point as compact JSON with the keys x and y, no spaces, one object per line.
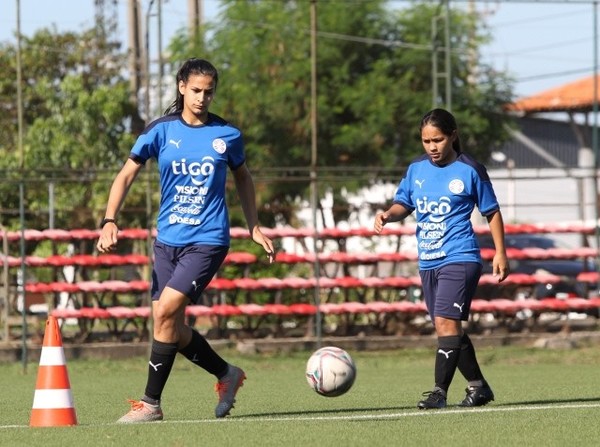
{"x":374,"y":84}
{"x":77,"y":109}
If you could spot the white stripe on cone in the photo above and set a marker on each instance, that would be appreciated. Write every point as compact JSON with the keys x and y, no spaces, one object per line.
{"x":52,"y":356}
{"x":52,"y":399}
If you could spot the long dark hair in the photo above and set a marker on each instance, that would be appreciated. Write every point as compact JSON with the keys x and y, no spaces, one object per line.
{"x":193,"y":66}
{"x":443,"y":120}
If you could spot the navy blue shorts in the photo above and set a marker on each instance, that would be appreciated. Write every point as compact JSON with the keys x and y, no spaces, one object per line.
{"x":449,"y":289}
{"x":185,"y":269}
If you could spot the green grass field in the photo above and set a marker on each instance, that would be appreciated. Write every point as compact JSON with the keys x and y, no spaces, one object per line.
{"x":543,"y":398}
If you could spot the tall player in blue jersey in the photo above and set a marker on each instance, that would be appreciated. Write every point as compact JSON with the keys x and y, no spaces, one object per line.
{"x":442,"y":187}
{"x":194,"y":150}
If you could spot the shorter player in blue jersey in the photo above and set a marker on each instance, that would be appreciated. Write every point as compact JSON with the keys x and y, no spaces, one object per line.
{"x":443,"y":187}
{"x":194,"y":150}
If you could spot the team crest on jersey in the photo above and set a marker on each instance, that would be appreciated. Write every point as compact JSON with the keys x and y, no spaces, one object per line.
{"x":456,"y":186}
{"x":219,"y":145}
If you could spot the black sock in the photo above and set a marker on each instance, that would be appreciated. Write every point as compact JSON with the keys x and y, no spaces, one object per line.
{"x":161,"y":361}
{"x":467,"y":362}
{"x":199,"y":352}
{"x":446,"y":360}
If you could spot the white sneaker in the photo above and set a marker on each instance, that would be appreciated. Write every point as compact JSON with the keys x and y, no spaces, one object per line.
{"x":142,"y":412}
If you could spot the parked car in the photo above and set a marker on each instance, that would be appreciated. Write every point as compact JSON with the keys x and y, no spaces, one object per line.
{"x":568,"y":269}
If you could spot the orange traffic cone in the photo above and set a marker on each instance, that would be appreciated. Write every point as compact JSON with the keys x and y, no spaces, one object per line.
{"x":53,"y":401}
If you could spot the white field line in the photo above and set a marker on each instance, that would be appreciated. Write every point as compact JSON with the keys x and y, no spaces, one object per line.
{"x":362,"y":417}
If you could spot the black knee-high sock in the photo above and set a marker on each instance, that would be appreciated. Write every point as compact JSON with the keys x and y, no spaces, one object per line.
{"x":446,"y":360}
{"x":199,"y":352}
{"x":467,"y":363}
{"x":161,"y":362}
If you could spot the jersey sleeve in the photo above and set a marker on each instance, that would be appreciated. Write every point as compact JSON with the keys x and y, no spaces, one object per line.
{"x":486,"y":196}
{"x":146,"y":146}
{"x":403,"y":194}
{"x":236,"y":154}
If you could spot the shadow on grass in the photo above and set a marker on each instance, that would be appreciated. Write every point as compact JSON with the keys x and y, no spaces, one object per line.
{"x":356,"y":411}
{"x":332,"y":411}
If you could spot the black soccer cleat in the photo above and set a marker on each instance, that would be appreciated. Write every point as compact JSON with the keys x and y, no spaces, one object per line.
{"x":435,"y":400}
{"x":477,"y":396}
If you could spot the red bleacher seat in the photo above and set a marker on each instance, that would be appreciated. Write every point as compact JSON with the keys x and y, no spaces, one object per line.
{"x":396,"y":256}
{"x":136,"y":259}
{"x":555,"y":304}
{"x":66,"y":313}
{"x":247,"y":284}
{"x":479,"y":305}
{"x":397,"y":282}
{"x":251,"y":309}
{"x":348,"y":282}
{"x":271,"y":283}
{"x":331,"y":308}
{"x":588,"y":277}
{"x":407,"y":307}
{"x":84,"y":233}
{"x":117,"y":286}
{"x":289,"y":258}
{"x":373,"y":282}
{"x":139,"y":285}
{"x":33,"y":261}
{"x":303,"y":308}
{"x":94,"y":313}
{"x":133,"y":233}
{"x":504,"y":306}
{"x":121,"y":312}
{"x":240,"y":258}
{"x":112,"y":259}
{"x":579,"y":304}
{"x":380,"y":307}
{"x":56,"y":234}
{"x":354,"y":307}
{"x":58,"y":260}
{"x":546,"y":278}
{"x":58,"y":287}
{"x":532,"y":304}
{"x":85,"y":260}
{"x":221,"y":284}
{"x":277,"y":309}
{"x":38,"y":287}
{"x":90,"y":286}
{"x":143,"y":311}
{"x":239,"y":233}
{"x":198,"y":310}
{"x":298,"y":283}
{"x":226,"y":310}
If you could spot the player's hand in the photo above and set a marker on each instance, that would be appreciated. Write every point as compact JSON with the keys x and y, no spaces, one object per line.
{"x":380,"y":221}
{"x":108,"y":238}
{"x":500,"y":268}
{"x":267,"y":244}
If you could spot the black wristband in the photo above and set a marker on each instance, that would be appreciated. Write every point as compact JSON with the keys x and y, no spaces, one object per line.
{"x":105,"y":221}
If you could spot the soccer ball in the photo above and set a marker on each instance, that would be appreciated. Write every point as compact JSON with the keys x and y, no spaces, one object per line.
{"x":330,"y":371}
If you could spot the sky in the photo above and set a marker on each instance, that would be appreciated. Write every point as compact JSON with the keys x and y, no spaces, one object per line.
{"x":542,"y":44}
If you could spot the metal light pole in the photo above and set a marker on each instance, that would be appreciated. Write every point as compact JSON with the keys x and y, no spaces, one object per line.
{"x":313,"y":164}
{"x":595,"y":139}
{"x":21,"y":283}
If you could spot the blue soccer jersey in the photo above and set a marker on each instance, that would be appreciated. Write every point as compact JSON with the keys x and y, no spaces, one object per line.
{"x":193,"y":162}
{"x":443,"y":198}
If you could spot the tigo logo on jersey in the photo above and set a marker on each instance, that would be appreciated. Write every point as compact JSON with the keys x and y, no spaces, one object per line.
{"x":198,"y":172}
{"x":437,"y":209}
